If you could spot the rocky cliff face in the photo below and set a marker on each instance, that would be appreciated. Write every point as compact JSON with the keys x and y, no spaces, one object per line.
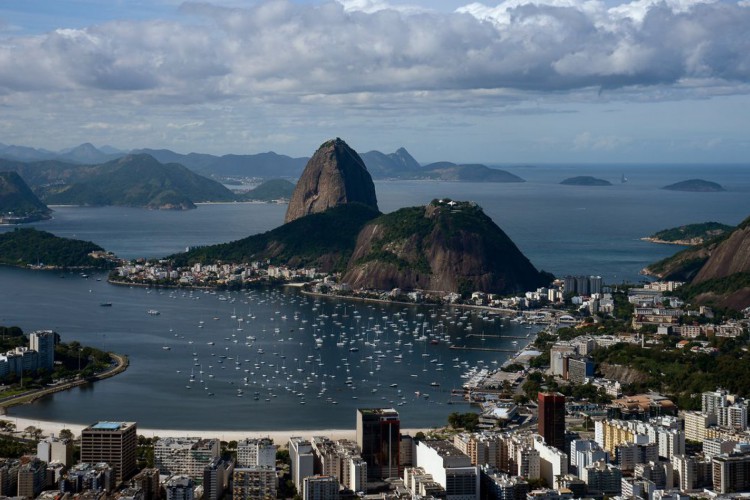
{"x":446,"y":246}
{"x":334,"y":176}
{"x":730,"y":256}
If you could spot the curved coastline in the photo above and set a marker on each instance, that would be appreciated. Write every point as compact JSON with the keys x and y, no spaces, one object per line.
{"x":122,"y":363}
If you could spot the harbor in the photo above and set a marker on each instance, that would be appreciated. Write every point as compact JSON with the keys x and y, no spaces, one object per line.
{"x":273,"y":348}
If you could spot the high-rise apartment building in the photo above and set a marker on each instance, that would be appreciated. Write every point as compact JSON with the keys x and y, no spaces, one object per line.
{"x":731,"y":473}
{"x":320,"y":487}
{"x":43,"y":342}
{"x":301,"y":456}
{"x":256,"y":452}
{"x":180,"y":488}
{"x":378,"y":434}
{"x":258,"y":482}
{"x":113,"y":443}
{"x":552,"y":419}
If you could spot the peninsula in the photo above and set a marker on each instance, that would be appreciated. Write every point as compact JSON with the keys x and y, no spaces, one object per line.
{"x":28,"y":247}
{"x":690,"y":234}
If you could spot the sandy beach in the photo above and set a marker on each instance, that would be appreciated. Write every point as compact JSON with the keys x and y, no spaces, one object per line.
{"x":279,"y":437}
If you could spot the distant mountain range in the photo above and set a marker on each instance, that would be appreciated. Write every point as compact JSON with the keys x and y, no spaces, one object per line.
{"x":397,"y":165}
{"x":133,"y":180}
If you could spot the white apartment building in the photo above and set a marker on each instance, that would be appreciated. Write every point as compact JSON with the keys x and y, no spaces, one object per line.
{"x":251,"y":452}
{"x":450,"y":468}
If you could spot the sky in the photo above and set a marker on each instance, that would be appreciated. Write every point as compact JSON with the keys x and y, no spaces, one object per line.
{"x":517,"y":81}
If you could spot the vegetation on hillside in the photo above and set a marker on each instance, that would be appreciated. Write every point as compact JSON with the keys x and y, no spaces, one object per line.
{"x":695,"y":186}
{"x":275,"y":189}
{"x":16,"y":197}
{"x":28,"y":246}
{"x":682,"y":373}
{"x":694,"y":233}
{"x":585,"y":180}
{"x":327,"y":237}
{"x":140,"y":180}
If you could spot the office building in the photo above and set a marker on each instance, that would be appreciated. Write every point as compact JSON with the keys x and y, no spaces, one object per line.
{"x":301,"y":456}
{"x":258,"y":482}
{"x":378,"y":437}
{"x":320,"y":487}
{"x":552,"y":419}
{"x":43,"y":342}
{"x":113,"y":443}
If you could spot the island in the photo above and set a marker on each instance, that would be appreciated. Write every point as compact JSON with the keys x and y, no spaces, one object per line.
{"x":690,"y":234}
{"x":695,"y":186}
{"x":585,"y":180}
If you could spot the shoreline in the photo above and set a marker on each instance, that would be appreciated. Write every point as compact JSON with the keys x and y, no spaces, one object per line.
{"x":122,"y":363}
{"x":681,"y":243}
{"x":280,"y":437}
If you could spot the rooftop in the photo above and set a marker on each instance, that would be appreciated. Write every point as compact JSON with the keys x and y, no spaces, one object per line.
{"x":111,"y":426}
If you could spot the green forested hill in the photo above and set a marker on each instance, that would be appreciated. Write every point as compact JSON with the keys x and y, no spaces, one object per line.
{"x":17,"y":198}
{"x":323,"y":240}
{"x":274,"y":189}
{"x":140,"y":180}
{"x":26,"y":246}
{"x":691,"y":234}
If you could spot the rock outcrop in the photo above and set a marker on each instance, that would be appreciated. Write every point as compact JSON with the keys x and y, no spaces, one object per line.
{"x":731,"y":256}
{"x":446,"y":246}
{"x":335,"y":175}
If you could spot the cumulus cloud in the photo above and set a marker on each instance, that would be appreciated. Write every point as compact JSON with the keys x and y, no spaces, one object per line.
{"x":280,"y":50}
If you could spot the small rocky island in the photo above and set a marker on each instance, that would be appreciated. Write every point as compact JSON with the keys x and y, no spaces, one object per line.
{"x":695,"y":186}
{"x":585,"y":180}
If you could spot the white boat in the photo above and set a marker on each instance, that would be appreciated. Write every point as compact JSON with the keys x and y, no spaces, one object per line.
{"x":153,"y":312}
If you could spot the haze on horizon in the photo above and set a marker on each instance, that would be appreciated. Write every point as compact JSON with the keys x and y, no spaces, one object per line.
{"x":499,"y":82}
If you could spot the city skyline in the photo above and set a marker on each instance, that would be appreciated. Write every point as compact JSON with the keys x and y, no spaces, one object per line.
{"x":553,"y":81}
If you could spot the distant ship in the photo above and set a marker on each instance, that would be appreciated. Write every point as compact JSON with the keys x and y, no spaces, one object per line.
{"x":623,"y":179}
